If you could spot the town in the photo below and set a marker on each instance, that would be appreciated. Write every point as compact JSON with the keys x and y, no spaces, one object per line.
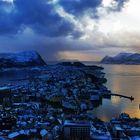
{"x":57,"y":104}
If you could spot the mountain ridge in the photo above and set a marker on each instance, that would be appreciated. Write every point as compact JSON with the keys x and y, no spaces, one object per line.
{"x":122,"y":58}
{"x":20,"y":59}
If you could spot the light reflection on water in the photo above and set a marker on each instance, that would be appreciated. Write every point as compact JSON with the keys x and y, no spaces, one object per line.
{"x":122,"y":79}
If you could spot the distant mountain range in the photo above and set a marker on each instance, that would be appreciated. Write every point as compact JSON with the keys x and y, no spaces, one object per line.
{"x":122,"y":58}
{"x":22,"y":59}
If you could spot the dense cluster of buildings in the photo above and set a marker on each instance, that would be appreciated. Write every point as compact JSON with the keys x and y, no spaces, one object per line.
{"x":54,"y":105}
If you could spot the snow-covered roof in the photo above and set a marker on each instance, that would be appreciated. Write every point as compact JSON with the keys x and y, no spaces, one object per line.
{"x":75,"y":123}
{"x":135,"y":128}
{"x":43,"y":132}
{"x":101,"y":137}
{"x":13,"y":135}
{"x":4,"y":88}
{"x":135,"y":138}
{"x":118,"y":128}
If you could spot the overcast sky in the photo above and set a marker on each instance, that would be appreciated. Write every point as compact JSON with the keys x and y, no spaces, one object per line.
{"x":70,"y":29}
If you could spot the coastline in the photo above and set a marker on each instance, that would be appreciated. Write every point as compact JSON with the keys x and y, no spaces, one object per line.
{"x":54,"y":93}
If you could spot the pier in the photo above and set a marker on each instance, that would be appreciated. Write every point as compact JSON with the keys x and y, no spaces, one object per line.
{"x":122,"y":96}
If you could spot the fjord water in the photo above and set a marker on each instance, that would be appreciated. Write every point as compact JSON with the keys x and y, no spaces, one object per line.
{"x":121,"y":79}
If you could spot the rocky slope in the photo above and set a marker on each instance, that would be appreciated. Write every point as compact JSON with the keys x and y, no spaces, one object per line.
{"x":22,"y":59}
{"x":122,"y":58}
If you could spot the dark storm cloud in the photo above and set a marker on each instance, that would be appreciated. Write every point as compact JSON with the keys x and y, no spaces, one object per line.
{"x":78,"y":7}
{"x":7,"y":24}
{"x":36,"y":14}
{"x":42,"y":18}
{"x":48,"y":47}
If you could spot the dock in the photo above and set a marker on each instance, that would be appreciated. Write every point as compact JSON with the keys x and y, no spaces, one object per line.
{"x":123,"y":96}
{"x":108,"y":96}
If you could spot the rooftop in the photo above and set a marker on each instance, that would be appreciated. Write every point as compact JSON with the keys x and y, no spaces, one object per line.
{"x":77,"y":123}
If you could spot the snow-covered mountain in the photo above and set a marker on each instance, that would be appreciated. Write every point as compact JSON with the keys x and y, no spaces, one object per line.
{"x":122,"y":58}
{"x":22,"y":59}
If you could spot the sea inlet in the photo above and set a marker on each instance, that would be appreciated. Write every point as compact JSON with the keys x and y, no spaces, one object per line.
{"x":125,"y":80}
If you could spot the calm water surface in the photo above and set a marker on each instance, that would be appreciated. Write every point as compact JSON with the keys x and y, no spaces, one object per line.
{"x":122,"y":79}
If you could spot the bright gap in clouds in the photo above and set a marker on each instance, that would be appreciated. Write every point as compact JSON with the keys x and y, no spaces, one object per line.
{"x":82,"y":56}
{"x":133,"y":8}
{"x":107,"y":3}
{"x":115,"y":27}
{"x":119,"y":31}
{"x":53,"y":1}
